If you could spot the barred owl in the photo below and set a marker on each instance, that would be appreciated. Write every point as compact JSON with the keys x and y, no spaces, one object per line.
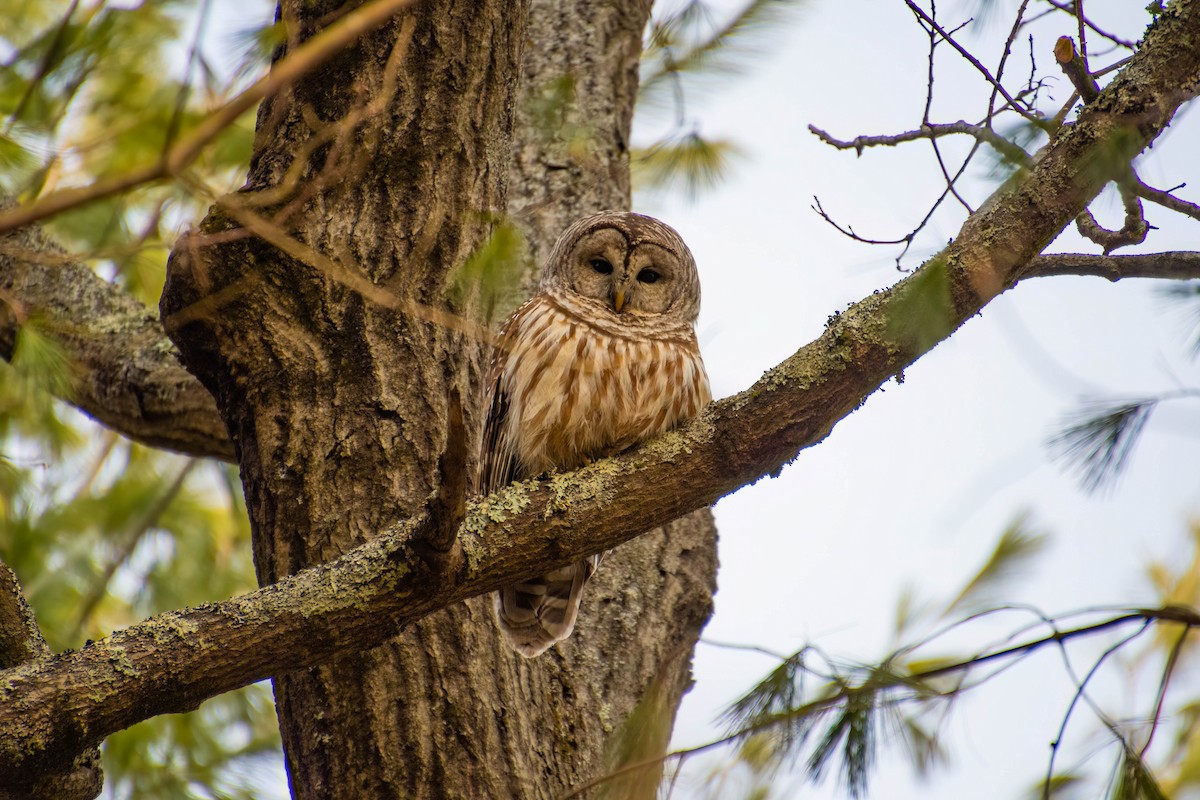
{"x":602,"y":357}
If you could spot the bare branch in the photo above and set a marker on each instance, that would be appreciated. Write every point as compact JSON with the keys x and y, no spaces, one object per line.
{"x":965,"y":53}
{"x":1133,"y":230}
{"x":78,"y":778}
{"x":930,"y":131}
{"x":1069,"y":7}
{"x":1172,"y":266}
{"x":1166,"y":199}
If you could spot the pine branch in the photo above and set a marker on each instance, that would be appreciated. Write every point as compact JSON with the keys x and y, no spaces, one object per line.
{"x":1100,"y":438}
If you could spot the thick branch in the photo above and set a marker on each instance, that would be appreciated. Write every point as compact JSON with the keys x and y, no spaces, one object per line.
{"x":127,"y":373}
{"x":20,"y":642}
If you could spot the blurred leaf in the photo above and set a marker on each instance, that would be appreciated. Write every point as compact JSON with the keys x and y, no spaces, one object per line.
{"x":1134,"y":780}
{"x":40,"y":361}
{"x":1187,"y":295}
{"x":1016,"y":547}
{"x":1061,"y":786}
{"x":492,"y":274}
{"x":908,"y":610}
{"x":643,"y":736}
{"x":922,"y":311}
{"x":924,"y":747}
{"x":256,"y":47}
{"x":690,"y":164}
{"x":1100,"y":437}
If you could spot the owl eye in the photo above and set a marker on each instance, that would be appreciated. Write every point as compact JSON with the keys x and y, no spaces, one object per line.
{"x":648,"y":276}
{"x":601,"y":266}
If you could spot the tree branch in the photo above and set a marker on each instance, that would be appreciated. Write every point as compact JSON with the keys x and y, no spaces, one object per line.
{"x":1166,"y":199}
{"x":931,"y":131}
{"x":53,"y":706}
{"x":128,"y":376}
{"x":1174,"y":266}
{"x":77,"y":778}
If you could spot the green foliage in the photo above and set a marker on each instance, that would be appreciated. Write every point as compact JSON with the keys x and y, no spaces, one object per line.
{"x":689,"y":164}
{"x":103,"y":532}
{"x":853,"y":733}
{"x":1187,"y":295}
{"x":492,"y":274}
{"x":840,"y":714}
{"x":1134,"y":779}
{"x":690,"y":43}
{"x":685,"y":48}
{"x":1015,"y":548}
{"x":96,"y":94}
{"x":922,"y":311}
{"x":640,"y":738}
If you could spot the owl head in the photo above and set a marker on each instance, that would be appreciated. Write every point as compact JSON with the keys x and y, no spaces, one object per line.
{"x":629,"y":264}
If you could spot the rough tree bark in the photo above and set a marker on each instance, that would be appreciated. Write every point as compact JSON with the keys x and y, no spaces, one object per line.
{"x":337,"y":406}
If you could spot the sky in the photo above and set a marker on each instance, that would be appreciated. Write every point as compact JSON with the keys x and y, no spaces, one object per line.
{"x":913,"y":489}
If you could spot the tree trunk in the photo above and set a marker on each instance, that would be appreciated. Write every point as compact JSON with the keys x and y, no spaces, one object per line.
{"x":331,"y":344}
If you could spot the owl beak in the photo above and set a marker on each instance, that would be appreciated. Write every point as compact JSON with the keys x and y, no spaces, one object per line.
{"x":619,"y":300}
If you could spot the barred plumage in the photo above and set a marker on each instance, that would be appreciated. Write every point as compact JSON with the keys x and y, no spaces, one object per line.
{"x":604,"y":356}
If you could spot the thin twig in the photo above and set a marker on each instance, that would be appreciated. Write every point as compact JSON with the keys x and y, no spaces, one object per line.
{"x":1012,"y":36}
{"x":1081,"y":693}
{"x":965,"y":53}
{"x":1168,"y":670}
{"x":1068,"y":7}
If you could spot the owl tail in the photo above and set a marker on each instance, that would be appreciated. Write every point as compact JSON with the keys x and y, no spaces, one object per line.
{"x":541,"y":611}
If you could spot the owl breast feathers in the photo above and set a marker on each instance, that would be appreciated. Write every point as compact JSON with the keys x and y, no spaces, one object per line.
{"x":602,"y":357}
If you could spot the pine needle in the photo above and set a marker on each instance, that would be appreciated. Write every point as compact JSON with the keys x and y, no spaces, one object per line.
{"x":853,"y":732}
{"x":1134,"y":780}
{"x":691,"y":163}
{"x":1187,"y":294}
{"x":1016,"y":546}
{"x":779,"y":692}
{"x":1100,"y":438}
{"x":687,"y":43}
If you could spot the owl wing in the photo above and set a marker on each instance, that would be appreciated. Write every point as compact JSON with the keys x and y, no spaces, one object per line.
{"x":541,"y":610}
{"x":498,"y":463}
